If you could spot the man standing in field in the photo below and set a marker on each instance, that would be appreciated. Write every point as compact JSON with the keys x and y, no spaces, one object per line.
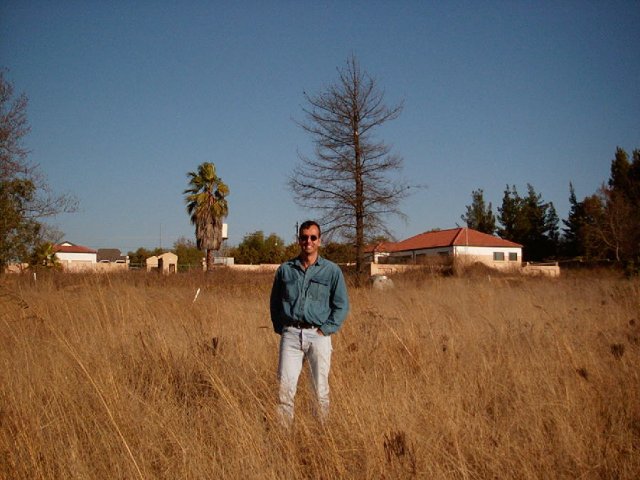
{"x":308,"y":304}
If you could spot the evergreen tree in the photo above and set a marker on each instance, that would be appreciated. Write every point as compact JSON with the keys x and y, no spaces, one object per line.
{"x":614,"y":230}
{"x":479,"y":216}
{"x":552,"y":232}
{"x":619,"y":178}
{"x":572,"y":235}
{"x":599,"y":245}
{"x":509,"y":214}
{"x":529,"y":221}
{"x":540,"y":226}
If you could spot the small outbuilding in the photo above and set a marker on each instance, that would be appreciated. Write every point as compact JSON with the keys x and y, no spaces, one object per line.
{"x":165,"y":263}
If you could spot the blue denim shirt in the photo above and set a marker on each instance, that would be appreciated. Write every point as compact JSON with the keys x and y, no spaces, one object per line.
{"x":317,"y":296}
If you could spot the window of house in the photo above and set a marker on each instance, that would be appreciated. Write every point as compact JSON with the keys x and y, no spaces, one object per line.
{"x":498,"y":256}
{"x":513,"y":256}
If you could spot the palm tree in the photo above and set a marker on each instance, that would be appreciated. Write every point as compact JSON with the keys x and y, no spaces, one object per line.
{"x":207,"y":206}
{"x":45,"y":256}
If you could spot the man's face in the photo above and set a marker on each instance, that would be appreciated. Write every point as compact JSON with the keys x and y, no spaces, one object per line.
{"x":309,"y":240}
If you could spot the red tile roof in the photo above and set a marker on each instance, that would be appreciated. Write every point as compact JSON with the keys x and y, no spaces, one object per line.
{"x":71,"y":248}
{"x":445,"y":238}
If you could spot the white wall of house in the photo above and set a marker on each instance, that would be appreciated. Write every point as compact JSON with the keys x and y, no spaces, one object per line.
{"x":76,"y":257}
{"x":426,"y":252}
{"x":496,"y":257}
{"x":414,"y":255}
{"x":77,"y":265}
{"x":75,"y":262}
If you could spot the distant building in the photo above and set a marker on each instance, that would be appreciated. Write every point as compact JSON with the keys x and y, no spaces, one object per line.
{"x":15,"y":267}
{"x":165,"y":263}
{"x":457,"y":245}
{"x":75,"y":258}
{"x":111,"y":255}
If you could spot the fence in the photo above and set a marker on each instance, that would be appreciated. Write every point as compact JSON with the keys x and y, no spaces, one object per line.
{"x":551,"y":269}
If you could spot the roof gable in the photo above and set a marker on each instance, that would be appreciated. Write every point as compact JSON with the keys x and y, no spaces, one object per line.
{"x":110,"y":254}
{"x":68,"y":247}
{"x":474,"y":238}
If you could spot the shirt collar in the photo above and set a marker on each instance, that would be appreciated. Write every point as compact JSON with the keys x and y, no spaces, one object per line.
{"x":319,"y":261}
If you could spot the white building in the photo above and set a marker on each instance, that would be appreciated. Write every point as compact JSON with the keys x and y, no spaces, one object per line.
{"x":75,"y":258}
{"x":459,"y":245}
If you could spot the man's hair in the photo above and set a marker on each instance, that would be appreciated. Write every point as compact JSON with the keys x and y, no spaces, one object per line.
{"x":308,"y":224}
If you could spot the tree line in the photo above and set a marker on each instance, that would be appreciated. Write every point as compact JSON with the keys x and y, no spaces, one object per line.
{"x":604,"y":226}
{"x":189,"y":255}
{"x":255,"y":248}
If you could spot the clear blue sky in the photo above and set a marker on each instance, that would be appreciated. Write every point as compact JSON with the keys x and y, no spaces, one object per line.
{"x":127,"y":97}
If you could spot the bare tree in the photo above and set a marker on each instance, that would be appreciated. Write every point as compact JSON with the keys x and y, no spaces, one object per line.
{"x":608,"y":222}
{"x":348,"y":179}
{"x":25,"y":196}
{"x":13,"y":128}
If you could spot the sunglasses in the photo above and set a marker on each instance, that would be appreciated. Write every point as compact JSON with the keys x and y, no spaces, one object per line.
{"x":304,"y":238}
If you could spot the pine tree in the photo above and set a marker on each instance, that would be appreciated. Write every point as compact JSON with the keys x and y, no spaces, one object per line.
{"x":509,"y":214}
{"x":572,"y":234}
{"x":529,"y":221}
{"x":479,"y":216}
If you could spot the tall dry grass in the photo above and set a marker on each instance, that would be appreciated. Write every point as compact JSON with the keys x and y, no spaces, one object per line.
{"x":470,"y":378}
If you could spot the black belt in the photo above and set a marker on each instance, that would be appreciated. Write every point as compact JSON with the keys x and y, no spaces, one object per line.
{"x":300,"y":325}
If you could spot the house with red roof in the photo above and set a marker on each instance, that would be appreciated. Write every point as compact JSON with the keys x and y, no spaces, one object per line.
{"x":455,"y":245}
{"x":75,"y":258}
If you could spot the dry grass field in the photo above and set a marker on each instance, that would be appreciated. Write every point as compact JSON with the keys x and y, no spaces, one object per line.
{"x":119,"y":377}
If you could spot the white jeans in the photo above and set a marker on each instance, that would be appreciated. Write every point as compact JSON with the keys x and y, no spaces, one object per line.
{"x":295,"y":345}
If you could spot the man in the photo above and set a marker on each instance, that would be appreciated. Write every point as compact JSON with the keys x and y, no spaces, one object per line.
{"x":308,"y":304}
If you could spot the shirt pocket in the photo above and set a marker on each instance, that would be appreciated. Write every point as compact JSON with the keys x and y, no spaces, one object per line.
{"x":318,"y":290}
{"x":290,"y":290}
